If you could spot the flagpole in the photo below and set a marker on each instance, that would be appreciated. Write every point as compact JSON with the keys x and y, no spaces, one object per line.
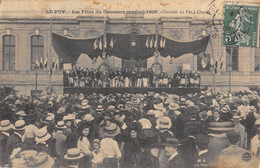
{"x":50,"y":59}
{"x":105,"y":37}
{"x":156,"y":38}
{"x":214,"y":66}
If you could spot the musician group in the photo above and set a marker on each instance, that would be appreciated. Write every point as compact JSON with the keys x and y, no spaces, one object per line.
{"x":135,"y":77}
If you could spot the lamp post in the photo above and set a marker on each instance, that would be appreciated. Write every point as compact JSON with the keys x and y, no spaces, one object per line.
{"x":229,"y":68}
{"x":36,"y":67}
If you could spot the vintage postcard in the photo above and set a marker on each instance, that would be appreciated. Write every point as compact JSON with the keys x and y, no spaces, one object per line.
{"x":130,"y":83}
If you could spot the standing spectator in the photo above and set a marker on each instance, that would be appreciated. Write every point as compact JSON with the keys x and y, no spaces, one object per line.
{"x":255,"y":144}
{"x":97,"y":155}
{"x":73,"y":157}
{"x":15,"y":139}
{"x":43,"y":141}
{"x":5,"y":128}
{"x":109,"y":147}
{"x":85,"y":130}
{"x":60,"y":143}
{"x":234,"y":156}
{"x":241,"y":130}
{"x":203,"y":159}
{"x":30,"y":131}
{"x":171,"y":149}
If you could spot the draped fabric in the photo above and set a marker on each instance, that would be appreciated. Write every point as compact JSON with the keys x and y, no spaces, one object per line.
{"x":125,"y":46}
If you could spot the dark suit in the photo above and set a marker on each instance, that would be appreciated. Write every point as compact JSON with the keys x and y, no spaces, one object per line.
{"x":176,"y":162}
{"x":3,"y":149}
{"x":13,"y":142}
{"x":202,"y":161}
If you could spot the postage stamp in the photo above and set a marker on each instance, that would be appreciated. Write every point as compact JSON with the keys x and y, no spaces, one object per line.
{"x":240,"y":25}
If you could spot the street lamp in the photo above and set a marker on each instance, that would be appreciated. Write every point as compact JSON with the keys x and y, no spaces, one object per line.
{"x":36,"y":68}
{"x":229,"y":68}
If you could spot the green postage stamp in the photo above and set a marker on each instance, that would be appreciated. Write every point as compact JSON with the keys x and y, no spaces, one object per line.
{"x":240,"y":25}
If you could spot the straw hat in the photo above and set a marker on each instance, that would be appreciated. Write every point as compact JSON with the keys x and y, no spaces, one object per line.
{"x":68,"y":117}
{"x":164,"y":123}
{"x":158,"y":106}
{"x":42,"y":135}
{"x":5,"y":125}
{"x":19,"y":125}
{"x":73,"y":154}
{"x":32,"y":158}
{"x":145,"y":123}
{"x":173,"y":106}
{"x":21,"y":113}
{"x":111,"y":130}
{"x":50,"y":117}
{"x":88,"y":117}
{"x":60,"y":125}
{"x":84,"y":104}
{"x":236,"y":118}
{"x":99,"y":108}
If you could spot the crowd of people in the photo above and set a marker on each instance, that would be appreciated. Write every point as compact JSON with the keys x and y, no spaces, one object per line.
{"x":204,"y":129}
{"x":137,"y":77}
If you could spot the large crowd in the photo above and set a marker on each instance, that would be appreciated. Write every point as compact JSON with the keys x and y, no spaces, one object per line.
{"x":152,"y":130}
{"x":137,"y":77}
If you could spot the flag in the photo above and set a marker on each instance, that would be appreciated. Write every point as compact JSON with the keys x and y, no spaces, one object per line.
{"x":95,"y":44}
{"x":151,"y":42}
{"x":164,"y":41}
{"x":45,"y":63}
{"x":147,"y":42}
{"x":221,"y":62}
{"x":161,"y":42}
{"x":205,"y":60}
{"x":100,"y":43}
{"x":53,"y":63}
{"x":155,"y":43}
{"x":41,"y":63}
{"x":111,"y":43}
{"x":105,"y":43}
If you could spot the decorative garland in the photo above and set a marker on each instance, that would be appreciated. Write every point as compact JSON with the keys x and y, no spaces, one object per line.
{"x":160,"y":68}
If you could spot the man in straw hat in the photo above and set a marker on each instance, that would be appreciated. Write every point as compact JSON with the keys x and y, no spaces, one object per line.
{"x":109,"y":147}
{"x":171,"y":148}
{"x":60,"y":142}
{"x":15,"y":139}
{"x":73,"y":157}
{"x":239,"y":128}
{"x":5,"y":128}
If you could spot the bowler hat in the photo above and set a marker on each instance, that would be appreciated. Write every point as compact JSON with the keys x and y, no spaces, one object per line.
{"x":171,"y":142}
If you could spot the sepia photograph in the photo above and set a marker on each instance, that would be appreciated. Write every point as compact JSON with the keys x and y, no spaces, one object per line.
{"x":129,"y":84}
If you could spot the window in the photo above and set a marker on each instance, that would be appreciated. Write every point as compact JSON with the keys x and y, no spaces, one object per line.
{"x":8,"y":52}
{"x":257,"y":59}
{"x":232,"y":57}
{"x":37,"y":50}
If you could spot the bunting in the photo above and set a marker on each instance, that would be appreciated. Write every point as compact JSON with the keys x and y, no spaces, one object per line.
{"x":105,"y":44}
{"x":45,"y":63}
{"x":147,"y":42}
{"x":151,"y":42}
{"x":111,"y":43}
{"x":161,"y":42}
{"x":164,"y":41}
{"x":155,"y":43}
{"x":95,"y":45}
{"x":41,"y":63}
{"x":100,"y":43}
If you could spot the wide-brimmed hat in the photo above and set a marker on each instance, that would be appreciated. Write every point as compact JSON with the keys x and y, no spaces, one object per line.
{"x":42,"y":135}
{"x":164,"y":123}
{"x":84,"y":104}
{"x":19,"y":125}
{"x":61,"y":110}
{"x":171,"y":142}
{"x":173,"y":106}
{"x":73,"y":154}
{"x":236,"y":118}
{"x":111,"y":130}
{"x":158,"y":106}
{"x":60,"y":125}
{"x":68,"y":118}
{"x":88,"y":117}
{"x":50,"y":117}
{"x":99,"y":108}
{"x":32,"y":158}
{"x":5,"y":125}
{"x":145,"y":123}
{"x":21,"y":113}
{"x":147,"y":138}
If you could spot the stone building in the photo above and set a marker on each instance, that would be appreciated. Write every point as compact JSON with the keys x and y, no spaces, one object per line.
{"x":24,"y":40}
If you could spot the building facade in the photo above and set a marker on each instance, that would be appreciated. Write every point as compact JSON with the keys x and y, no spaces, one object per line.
{"x":24,"y":41}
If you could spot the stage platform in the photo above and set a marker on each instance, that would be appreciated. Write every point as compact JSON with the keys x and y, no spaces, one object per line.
{"x":122,"y":90}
